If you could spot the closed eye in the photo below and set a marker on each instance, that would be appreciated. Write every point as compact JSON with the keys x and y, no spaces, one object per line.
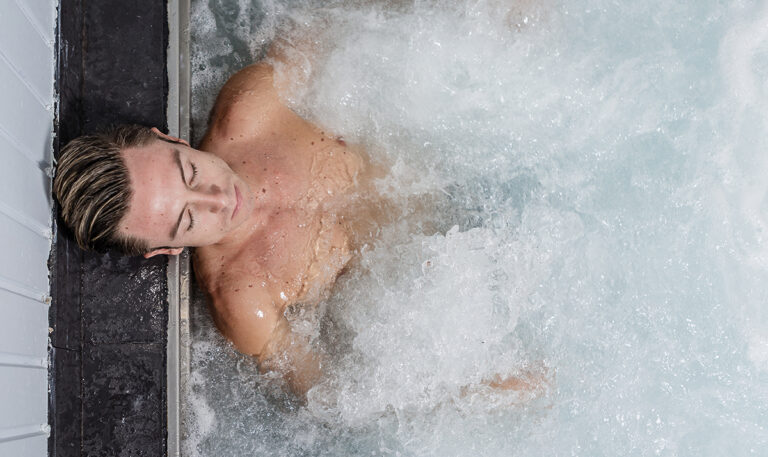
{"x":191,"y":220}
{"x":194,"y":173}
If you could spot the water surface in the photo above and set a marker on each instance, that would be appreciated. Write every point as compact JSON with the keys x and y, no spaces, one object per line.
{"x":598,"y":172}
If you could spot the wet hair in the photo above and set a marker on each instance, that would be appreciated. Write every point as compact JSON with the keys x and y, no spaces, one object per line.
{"x":94,"y":190}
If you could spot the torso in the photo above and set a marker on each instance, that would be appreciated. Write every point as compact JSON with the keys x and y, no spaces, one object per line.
{"x":297,"y":239}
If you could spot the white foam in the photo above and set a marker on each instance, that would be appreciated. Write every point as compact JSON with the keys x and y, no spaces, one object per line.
{"x":758,"y":351}
{"x":738,"y":50}
{"x":446,"y":321}
{"x":592,"y":192}
{"x":199,"y":418}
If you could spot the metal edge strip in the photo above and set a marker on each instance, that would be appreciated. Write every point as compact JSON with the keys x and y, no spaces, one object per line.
{"x":177,"y":114}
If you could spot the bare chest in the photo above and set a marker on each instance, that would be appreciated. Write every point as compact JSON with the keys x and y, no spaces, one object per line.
{"x":298,"y":172}
{"x":295,"y":257}
{"x":296,"y":243}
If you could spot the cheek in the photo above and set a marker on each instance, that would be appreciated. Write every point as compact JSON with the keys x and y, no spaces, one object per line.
{"x":214,"y":223}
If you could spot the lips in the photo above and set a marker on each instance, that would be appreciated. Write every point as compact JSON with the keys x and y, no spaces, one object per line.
{"x":238,"y":201}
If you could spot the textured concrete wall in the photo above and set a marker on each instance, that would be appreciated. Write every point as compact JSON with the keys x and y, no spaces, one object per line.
{"x":109,"y":313}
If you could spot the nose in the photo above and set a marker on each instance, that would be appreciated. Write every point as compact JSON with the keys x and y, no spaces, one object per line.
{"x":212,"y":198}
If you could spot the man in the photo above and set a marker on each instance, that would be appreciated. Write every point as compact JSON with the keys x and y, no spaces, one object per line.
{"x":264,"y":206}
{"x":270,"y":202}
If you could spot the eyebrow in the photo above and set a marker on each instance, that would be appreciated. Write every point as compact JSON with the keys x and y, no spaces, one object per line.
{"x":177,"y":159}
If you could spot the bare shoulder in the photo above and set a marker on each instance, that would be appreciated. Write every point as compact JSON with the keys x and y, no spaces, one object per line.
{"x":248,"y":105}
{"x":257,"y":77}
{"x":242,"y":304}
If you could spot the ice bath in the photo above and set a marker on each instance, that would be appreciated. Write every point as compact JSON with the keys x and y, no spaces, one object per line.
{"x":581,"y":186}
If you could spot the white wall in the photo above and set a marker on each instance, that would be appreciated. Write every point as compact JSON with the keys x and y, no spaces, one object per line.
{"x":26,"y":121}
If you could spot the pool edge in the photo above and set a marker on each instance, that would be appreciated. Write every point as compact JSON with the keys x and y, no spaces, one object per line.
{"x":177,"y":361}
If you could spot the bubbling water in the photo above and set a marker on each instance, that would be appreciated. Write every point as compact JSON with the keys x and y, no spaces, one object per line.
{"x":594,"y":177}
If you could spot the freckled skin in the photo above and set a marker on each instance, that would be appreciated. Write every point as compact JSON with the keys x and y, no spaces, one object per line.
{"x":290,"y":236}
{"x":303,"y":203}
{"x":291,"y":240}
{"x":160,"y":196}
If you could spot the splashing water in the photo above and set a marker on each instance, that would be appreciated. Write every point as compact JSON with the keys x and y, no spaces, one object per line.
{"x":596,"y":174}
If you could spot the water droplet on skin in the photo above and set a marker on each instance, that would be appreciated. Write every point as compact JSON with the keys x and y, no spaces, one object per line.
{"x":260,"y":314}
{"x":283,"y":296}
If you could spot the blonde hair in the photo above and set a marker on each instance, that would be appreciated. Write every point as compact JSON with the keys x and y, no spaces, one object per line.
{"x":94,"y":190}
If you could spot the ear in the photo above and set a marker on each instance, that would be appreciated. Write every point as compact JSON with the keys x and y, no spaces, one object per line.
{"x":168,"y":137}
{"x":166,"y":251}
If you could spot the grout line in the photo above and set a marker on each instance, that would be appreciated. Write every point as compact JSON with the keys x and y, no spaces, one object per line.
{"x":25,"y":431}
{"x":24,"y":361}
{"x":18,"y":288}
{"x":44,"y":167}
{"x":23,"y":81}
{"x":26,"y":221}
{"x":35,"y":25}
{"x":81,"y":117}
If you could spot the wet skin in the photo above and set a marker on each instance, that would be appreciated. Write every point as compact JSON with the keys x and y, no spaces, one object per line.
{"x":184,"y":197}
{"x":272,"y":205}
{"x":267,"y":201}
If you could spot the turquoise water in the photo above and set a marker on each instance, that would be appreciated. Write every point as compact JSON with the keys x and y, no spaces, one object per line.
{"x":596,"y":173}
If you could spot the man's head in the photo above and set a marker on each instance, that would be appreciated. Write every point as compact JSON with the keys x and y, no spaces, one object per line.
{"x":94,"y":190}
{"x":142,"y":192}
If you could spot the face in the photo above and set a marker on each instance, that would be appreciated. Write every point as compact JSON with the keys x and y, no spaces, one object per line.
{"x":182,"y":197}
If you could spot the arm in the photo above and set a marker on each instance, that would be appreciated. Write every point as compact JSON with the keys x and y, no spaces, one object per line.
{"x":256,"y":87}
{"x":250,"y":318}
{"x":295,"y":60}
{"x":249,"y":115}
{"x":247,"y":107}
{"x":522,"y":387}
